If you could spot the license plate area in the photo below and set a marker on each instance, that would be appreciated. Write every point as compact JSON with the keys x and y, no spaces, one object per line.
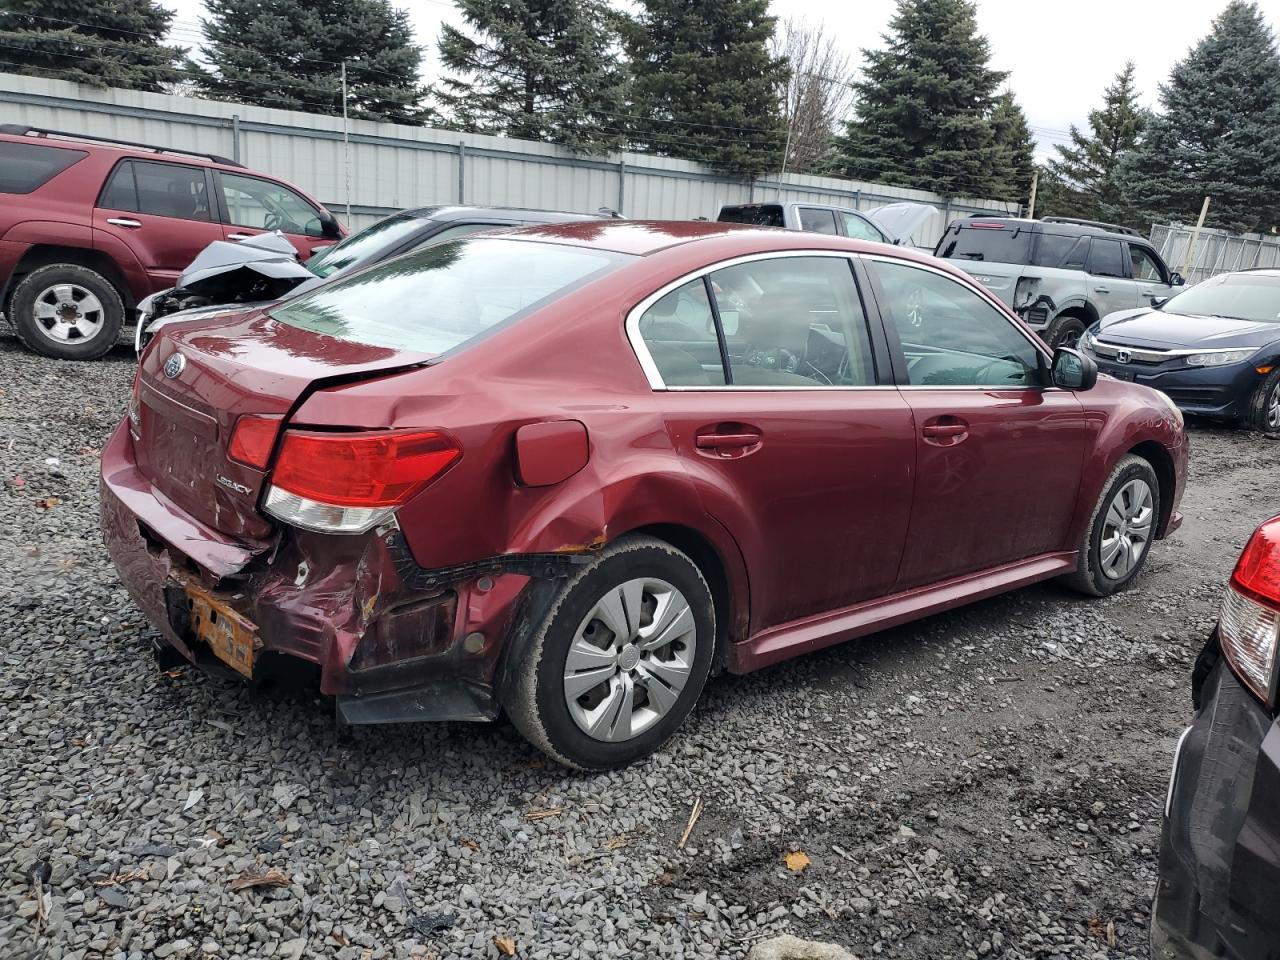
{"x":232,"y":638}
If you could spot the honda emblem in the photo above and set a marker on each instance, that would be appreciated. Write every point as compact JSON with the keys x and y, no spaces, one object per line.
{"x":1122,"y":356}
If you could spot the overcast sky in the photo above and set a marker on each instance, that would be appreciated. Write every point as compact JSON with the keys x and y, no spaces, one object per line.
{"x":1059,"y":54}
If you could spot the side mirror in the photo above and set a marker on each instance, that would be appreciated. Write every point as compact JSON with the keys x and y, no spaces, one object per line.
{"x":329,"y":226}
{"x":1072,"y":370}
{"x":1177,"y":279}
{"x":1159,"y":302}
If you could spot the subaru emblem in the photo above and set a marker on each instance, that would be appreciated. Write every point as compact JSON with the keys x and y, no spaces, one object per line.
{"x":174,"y":366}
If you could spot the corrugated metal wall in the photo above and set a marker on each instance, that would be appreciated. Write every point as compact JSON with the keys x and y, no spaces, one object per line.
{"x":1217,"y":251}
{"x":392,"y":166}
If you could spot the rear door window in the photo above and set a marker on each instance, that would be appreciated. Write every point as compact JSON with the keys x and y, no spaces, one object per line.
{"x":158,"y":190}
{"x":986,"y":241}
{"x":25,"y":166}
{"x":680,"y":333}
{"x":1106,"y":258}
{"x":817,"y":221}
{"x":1051,"y":249}
{"x":441,"y":296}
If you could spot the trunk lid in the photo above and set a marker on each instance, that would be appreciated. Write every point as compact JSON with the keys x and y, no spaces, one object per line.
{"x":230,"y":367}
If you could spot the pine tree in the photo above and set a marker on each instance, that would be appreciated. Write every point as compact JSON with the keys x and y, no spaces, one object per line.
{"x":1015,"y":150}
{"x":103,"y":45}
{"x":704,"y":85}
{"x":1087,"y":169}
{"x":924,"y":107}
{"x":536,"y":70}
{"x":1219,"y":134}
{"x":288,"y":54}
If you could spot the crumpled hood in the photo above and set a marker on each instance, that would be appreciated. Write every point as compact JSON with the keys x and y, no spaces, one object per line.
{"x":1147,"y":326}
{"x":269,"y":254}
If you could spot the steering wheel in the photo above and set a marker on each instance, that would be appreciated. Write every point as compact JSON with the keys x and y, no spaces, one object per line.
{"x":272,"y":221}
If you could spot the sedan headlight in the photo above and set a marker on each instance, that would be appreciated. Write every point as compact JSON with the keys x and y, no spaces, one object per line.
{"x":1219,"y":358}
{"x":1086,"y":340}
{"x":1249,"y":625}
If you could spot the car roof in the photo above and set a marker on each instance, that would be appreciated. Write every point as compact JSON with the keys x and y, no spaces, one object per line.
{"x":159,"y":154}
{"x":447,"y":212}
{"x":647,"y":237}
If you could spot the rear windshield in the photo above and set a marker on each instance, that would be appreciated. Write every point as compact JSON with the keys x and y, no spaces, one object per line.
{"x":365,"y":246}
{"x":438,"y":297}
{"x":988,"y":241}
{"x":26,"y":166}
{"x":1237,"y":296}
{"x":756,"y":214}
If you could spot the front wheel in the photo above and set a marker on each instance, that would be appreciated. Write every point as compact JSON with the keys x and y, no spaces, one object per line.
{"x":1264,"y":405}
{"x":620,"y":660}
{"x":1120,"y":532}
{"x":1064,"y":331}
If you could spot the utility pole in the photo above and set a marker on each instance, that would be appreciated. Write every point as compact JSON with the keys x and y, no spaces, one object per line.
{"x":1031,"y":203}
{"x":346,"y":142}
{"x":1189,"y":259}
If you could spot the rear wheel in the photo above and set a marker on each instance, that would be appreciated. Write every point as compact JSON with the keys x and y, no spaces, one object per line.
{"x":1120,"y":531}
{"x":620,"y":660}
{"x":1064,"y":331}
{"x":1264,"y":405}
{"x":67,"y":311}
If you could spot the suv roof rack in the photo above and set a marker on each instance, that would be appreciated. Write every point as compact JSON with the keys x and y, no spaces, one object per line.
{"x":1112,"y":227}
{"x":22,"y":130}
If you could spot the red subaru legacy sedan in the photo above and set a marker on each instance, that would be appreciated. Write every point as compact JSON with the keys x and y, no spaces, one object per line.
{"x":568,"y":471}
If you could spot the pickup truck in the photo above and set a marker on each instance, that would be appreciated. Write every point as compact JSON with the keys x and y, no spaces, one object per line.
{"x":892,"y":223}
{"x":1060,"y":275}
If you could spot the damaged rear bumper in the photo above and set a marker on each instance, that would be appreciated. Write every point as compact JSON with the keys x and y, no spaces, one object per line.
{"x":1220,"y":848}
{"x":391,"y":641}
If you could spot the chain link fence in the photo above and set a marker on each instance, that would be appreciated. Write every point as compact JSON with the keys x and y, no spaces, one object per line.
{"x":1216,"y":251}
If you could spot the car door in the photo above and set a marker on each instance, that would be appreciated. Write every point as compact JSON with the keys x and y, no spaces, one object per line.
{"x":778,"y":399}
{"x":1109,"y":286}
{"x":817,"y":220}
{"x":252,"y":205}
{"x":163,"y":212}
{"x":1148,"y":275}
{"x":998,"y":454}
{"x":860,"y":228}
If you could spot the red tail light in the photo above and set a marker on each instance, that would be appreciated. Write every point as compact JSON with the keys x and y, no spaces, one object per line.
{"x":374,"y":469}
{"x":252,"y":440}
{"x":1258,"y":570}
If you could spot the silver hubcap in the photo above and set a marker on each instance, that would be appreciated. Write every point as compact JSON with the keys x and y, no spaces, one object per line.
{"x":630,"y":659}
{"x":68,"y":313}
{"x":1126,"y":531}
{"x":1273,"y":409}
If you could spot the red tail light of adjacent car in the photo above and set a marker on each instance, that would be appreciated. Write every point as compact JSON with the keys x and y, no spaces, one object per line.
{"x":1249,"y":625}
{"x":350,"y":482}
{"x":252,"y":440}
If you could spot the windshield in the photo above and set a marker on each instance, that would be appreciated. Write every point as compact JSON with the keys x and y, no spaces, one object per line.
{"x":361,"y":248}
{"x":1238,"y":296}
{"x":440,"y":296}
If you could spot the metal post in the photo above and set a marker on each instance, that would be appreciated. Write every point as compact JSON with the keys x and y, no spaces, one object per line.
{"x":462,"y":169}
{"x":235,"y":137}
{"x":622,"y":184}
{"x":1195,"y":239}
{"x":1031,"y":202}
{"x":346,"y":142}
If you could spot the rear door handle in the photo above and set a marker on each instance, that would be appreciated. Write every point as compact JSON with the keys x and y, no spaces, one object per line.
{"x":1101,"y":289}
{"x":945,"y":429}
{"x":124,"y":222}
{"x":240,"y":236}
{"x":726,"y":441}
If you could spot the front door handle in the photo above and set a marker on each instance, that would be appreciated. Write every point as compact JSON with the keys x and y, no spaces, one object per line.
{"x":726,"y":441}
{"x":124,"y":222}
{"x":945,"y":431}
{"x":240,"y":236}
{"x":1101,"y":289}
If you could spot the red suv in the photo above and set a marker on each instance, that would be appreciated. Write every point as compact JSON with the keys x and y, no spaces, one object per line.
{"x":566,"y":471}
{"x":88,"y":228}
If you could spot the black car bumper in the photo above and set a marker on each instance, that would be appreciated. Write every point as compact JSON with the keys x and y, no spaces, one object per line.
{"x":1221,"y":392}
{"x":1219,"y":889}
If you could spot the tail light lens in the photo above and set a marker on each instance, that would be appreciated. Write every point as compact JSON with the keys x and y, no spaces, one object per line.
{"x":351,"y":482}
{"x":252,"y":440}
{"x":1249,"y":625}
{"x":135,"y":405}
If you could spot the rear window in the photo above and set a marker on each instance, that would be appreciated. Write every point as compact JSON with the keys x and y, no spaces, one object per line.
{"x":440,"y":296}
{"x":26,"y":166}
{"x":988,"y":241}
{"x":756,"y":214}
{"x":363,"y":247}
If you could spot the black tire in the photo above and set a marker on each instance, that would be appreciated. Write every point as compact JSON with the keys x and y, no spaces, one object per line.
{"x":32,"y":334}
{"x":535,"y":699}
{"x":1264,"y":405}
{"x":1090,"y":577}
{"x":1064,"y":331}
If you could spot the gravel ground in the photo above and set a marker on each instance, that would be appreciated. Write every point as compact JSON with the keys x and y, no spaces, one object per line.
{"x":986,"y":783}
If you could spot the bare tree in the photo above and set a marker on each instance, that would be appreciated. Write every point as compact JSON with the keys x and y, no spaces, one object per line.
{"x":818,"y":96}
